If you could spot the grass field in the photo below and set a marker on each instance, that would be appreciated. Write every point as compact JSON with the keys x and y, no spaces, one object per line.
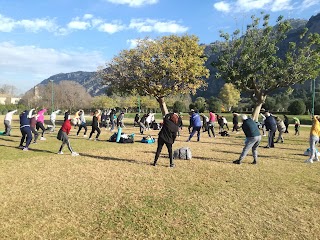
{"x":110,"y":191}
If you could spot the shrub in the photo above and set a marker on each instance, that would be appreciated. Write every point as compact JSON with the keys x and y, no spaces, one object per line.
{"x":297,"y":107}
{"x":179,"y":106}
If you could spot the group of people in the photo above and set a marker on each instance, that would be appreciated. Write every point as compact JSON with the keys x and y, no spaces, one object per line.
{"x":32,"y":121}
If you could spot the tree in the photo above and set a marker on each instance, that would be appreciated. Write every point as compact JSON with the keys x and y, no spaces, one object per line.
{"x":200,"y":104}
{"x":159,"y":68}
{"x":103,"y":102}
{"x":297,"y":107}
{"x":255,"y":64}
{"x":229,"y":95}
{"x":179,"y":106}
{"x":214,"y":104}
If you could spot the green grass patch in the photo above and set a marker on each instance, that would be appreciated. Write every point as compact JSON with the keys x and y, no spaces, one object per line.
{"x":110,"y":191}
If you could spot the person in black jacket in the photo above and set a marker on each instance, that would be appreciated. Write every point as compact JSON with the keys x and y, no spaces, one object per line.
{"x":286,"y":123}
{"x":253,"y":139}
{"x":271,"y":127}
{"x":167,"y":136}
{"x":95,"y":125}
{"x":235,"y":121}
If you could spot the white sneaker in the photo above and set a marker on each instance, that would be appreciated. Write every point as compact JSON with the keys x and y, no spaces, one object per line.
{"x":308,"y":161}
{"x":89,"y":139}
{"x":60,"y":152}
{"x":43,"y":138}
{"x":84,"y":136}
{"x":74,"y":154}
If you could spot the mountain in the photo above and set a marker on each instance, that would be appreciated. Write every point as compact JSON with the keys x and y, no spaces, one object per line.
{"x":89,"y":80}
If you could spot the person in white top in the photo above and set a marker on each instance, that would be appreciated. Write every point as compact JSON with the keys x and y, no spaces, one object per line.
{"x":53,"y":117}
{"x":7,"y":122}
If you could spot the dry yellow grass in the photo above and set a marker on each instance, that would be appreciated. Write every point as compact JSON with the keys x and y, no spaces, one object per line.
{"x":112,"y":192}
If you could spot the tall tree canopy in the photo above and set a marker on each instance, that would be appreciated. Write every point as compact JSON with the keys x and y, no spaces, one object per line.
{"x":159,"y":68}
{"x":254,"y":64}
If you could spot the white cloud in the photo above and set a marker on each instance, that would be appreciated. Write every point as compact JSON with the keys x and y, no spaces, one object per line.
{"x":309,"y":3}
{"x":28,"y":62}
{"x":78,"y":24}
{"x":87,"y":16}
{"x":38,"y":24}
{"x":110,"y":27}
{"x":132,"y":43}
{"x":6,"y":24}
{"x":280,"y":5}
{"x":222,"y":6}
{"x":267,"y":5}
{"x":133,"y":3}
{"x":150,"y":25}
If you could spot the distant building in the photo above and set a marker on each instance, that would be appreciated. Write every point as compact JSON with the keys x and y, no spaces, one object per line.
{"x":5,"y":99}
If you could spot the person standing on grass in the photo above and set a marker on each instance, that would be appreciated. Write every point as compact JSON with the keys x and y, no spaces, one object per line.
{"x":95,"y":125}
{"x":7,"y":122}
{"x":286,"y":123}
{"x":33,"y":123}
{"x":53,"y":117}
{"x":167,"y":136}
{"x":63,"y":136}
{"x":136,"y":120}
{"x":196,"y":125}
{"x":296,"y":126}
{"x":25,"y":130}
{"x":281,"y":129}
{"x":235,"y":121}
{"x":112,"y":121}
{"x":212,"y":119}
{"x":83,"y":124}
{"x":271,"y":127}
{"x":253,"y":139}
{"x":120,"y":120}
{"x":40,"y":122}
{"x":314,"y":139}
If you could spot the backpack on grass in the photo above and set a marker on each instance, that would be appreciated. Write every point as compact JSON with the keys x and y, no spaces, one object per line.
{"x":182,"y":153}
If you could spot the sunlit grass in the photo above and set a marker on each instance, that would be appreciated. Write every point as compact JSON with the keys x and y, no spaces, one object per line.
{"x":111,"y":192}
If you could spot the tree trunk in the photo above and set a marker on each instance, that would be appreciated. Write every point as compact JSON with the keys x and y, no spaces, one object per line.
{"x":163,"y":106}
{"x":256,"y":111}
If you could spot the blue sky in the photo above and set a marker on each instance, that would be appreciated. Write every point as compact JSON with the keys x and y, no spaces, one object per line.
{"x":40,"y":38}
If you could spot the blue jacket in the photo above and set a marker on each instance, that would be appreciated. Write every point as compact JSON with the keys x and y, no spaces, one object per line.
{"x":270,"y":123}
{"x":195,"y":120}
{"x":250,"y":128}
{"x":24,"y":120}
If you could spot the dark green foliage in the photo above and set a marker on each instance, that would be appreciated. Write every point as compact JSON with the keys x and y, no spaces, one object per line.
{"x":297,"y":107}
{"x":179,"y":106}
{"x":214,"y":104}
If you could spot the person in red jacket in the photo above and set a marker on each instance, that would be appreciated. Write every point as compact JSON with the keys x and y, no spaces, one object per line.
{"x":63,"y":136}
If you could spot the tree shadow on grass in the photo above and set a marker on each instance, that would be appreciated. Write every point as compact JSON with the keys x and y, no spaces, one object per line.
{"x":103,"y":158}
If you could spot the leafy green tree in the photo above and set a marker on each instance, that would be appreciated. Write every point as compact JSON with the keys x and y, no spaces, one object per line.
{"x":200,"y":104}
{"x":159,"y":68}
{"x":103,"y":102}
{"x":179,"y":106}
{"x":254,"y":64}
{"x":214,"y":104}
{"x":297,"y":107}
{"x":229,"y":95}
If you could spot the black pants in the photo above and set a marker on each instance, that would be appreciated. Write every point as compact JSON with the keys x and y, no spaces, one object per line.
{"x":26,"y":135}
{"x":211,"y":128}
{"x":161,"y":142}
{"x":40,"y":125}
{"x":35,"y":133}
{"x":85,"y":129}
{"x":235,"y":127}
{"x":93,"y":131}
